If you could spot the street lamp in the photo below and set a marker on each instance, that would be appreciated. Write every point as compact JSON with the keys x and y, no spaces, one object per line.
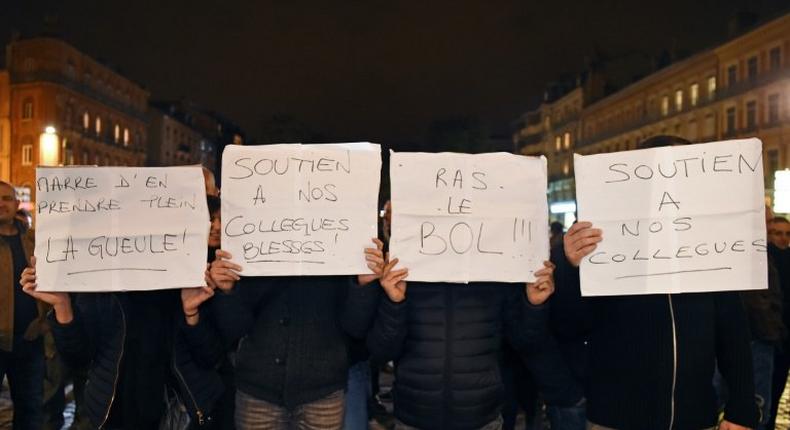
{"x":48,"y":147}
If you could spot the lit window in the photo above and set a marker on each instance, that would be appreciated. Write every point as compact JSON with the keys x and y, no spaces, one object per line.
{"x":665,"y":105}
{"x":693,"y":94}
{"x":125,"y":137}
{"x":86,"y":121}
{"x":27,"y":155}
{"x":567,"y":139}
{"x":711,"y":88}
{"x":678,"y":100}
{"x":565,"y":168}
{"x":98,"y":125}
{"x":117,"y":133}
{"x":558,"y":142}
{"x":27,"y":109}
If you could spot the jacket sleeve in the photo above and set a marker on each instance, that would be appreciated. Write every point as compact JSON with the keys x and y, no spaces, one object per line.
{"x":571,"y":316}
{"x":235,"y":312}
{"x":385,"y":340}
{"x":203,"y":339}
{"x":734,"y":358}
{"x":359,"y":307}
{"x":75,"y":341}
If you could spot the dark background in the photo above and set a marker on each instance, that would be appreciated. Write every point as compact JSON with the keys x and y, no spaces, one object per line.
{"x":430,"y":74}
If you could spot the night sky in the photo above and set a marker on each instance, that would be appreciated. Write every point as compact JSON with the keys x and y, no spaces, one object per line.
{"x":373,"y":70}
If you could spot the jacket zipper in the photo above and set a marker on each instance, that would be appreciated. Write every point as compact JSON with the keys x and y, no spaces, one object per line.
{"x":118,"y":364}
{"x":448,"y":352}
{"x":201,"y":418}
{"x":674,"y":362}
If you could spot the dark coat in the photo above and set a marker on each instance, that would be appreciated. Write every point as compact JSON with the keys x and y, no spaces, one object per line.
{"x":446,"y":341}
{"x":652,"y":358}
{"x":294,"y":333}
{"x":96,"y":338}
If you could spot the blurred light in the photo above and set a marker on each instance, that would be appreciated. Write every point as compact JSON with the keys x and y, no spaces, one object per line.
{"x":562,"y":207}
{"x":48,"y":147}
{"x":782,"y":191}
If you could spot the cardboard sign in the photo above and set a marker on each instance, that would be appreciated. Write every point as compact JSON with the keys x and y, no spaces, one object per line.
{"x":120,"y":228}
{"x":465,"y":218}
{"x":675,"y":219}
{"x":296,"y":209}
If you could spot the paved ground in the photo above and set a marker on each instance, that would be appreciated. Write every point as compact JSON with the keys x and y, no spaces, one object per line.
{"x":783,"y":423}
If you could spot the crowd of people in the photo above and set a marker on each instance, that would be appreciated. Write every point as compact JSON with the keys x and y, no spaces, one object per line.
{"x":304,"y":352}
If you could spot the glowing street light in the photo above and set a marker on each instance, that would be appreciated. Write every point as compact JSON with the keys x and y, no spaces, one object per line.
{"x":48,"y":146}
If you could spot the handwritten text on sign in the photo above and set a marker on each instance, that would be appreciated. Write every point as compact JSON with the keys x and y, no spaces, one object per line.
{"x":675,"y":219}
{"x":465,"y":218}
{"x":120,"y":228}
{"x":295,"y":209}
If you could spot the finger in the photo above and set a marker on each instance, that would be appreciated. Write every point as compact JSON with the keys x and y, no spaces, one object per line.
{"x":374,"y":252}
{"x":223,"y":255}
{"x":208,"y":290}
{"x":379,"y":243}
{"x":229,"y":265}
{"x":583,"y":243}
{"x":577,"y":227}
{"x":390,"y":265}
{"x":33,"y":261}
{"x":589,"y":233}
{"x":401,"y":278}
{"x":587,"y":250}
{"x":546,"y":271}
{"x":548,"y":263}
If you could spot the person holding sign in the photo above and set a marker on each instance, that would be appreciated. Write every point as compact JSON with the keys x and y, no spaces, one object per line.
{"x":446,"y":339}
{"x":22,"y":319}
{"x":292,"y":363}
{"x":133,"y":345}
{"x":652,"y":357}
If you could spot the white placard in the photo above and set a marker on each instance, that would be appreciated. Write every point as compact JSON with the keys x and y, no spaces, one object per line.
{"x":465,"y":218}
{"x":294,"y":209}
{"x":120,"y":228}
{"x":675,"y":219}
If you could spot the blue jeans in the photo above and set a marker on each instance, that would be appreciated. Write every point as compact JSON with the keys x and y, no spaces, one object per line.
{"x":567,"y":417}
{"x":355,"y":416}
{"x":763,"y":362}
{"x":763,"y":365}
{"x":25,"y":370}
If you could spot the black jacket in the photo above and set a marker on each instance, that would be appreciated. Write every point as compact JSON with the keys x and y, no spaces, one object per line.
{"x":96,"y":338}
{"x":294,"y":333}
{"x":446,"y":340}
{"x":652,"y":359}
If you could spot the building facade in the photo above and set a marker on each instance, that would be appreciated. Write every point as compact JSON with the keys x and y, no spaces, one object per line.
{"x":171,"y":141}
{"x":97,"y":114}
{"x":738,"y":89}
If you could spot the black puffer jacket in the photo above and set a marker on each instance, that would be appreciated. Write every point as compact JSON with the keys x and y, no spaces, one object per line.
{"x":96,"y":338}
{"x":294,"y":333}
{"x":446,"y":340}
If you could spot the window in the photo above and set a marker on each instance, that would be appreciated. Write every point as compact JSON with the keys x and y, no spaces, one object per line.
{"x":86,"y":120}
{"x":711,"y":88}
{"x":775,"y":58}
{"x":772,"y":158}
{"x":117,"y":133}
{"x":567,"y":140}
{"x":751,"y":68}
{"x":693,"y":94}
{"x":709,"y":126}
{"x":98,"y":125}
{"x":27,"y":109}
{"x":565,"y":168}
{"x":558,"y":142}
{"x":730,"y":120}
{"x":773,"y":108}
{"x":125,"y":137}
{"x":27,"y":153}
{"x":751,"y":115}
{"x":691,"y":131}
{"x":665,"y":105}
{"x":732,"y":75}
{"x":678,"y":100}
{"x":97,"y":159}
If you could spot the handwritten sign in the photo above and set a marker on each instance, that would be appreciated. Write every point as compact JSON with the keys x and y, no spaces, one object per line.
{"x":120,"y":228}
{"x":675,"y":219}
{"x":294,"y":209}
{"x":465,"y":218}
